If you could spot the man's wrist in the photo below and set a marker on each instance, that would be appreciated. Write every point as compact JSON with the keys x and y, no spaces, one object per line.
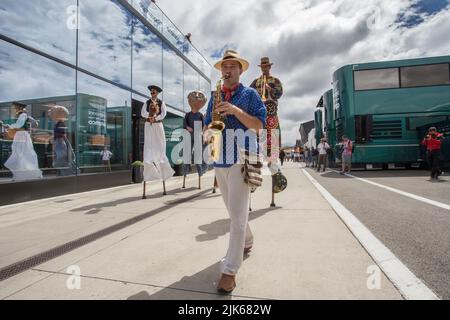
{"x":238,"y":111}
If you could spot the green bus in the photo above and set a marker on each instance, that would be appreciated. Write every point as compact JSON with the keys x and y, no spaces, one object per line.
{"x":386,"y":108}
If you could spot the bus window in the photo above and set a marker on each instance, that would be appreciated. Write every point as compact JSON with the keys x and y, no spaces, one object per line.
{"x":428,"y":75}
{"x":377,"y":79}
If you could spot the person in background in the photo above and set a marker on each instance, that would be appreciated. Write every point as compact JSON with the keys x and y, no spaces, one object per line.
{"x":314,"y":156}
{"x":282,"y":156}
{"x":197,"y":101}
{"x":156,"y":163}
{"x":106,"y":159}
{"x":433,"y":142}
{"x":322,"y":148}
{"x":347,"y":150}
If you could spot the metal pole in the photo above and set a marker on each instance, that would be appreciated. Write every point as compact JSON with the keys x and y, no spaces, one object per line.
{"x":215,"y":185}
{"x":144,"y":196}
{"x":273,"y":193}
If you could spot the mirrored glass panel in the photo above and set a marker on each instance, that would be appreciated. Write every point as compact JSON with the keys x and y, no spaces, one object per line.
{"x":46,"y":90}
{"x":150,"y":11}
{"x":49,"y":26}
{"x":104,"y":126}
{"x":105,"y":40}
{"x":173,"y":78}
{"x":147,"y":58}
{"x":191,"y":83}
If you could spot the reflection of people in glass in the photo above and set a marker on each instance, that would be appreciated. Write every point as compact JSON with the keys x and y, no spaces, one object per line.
{"x":156,"y":164}
{"x":106,"y":159}
{"x":64,"y":156}
{"x":23,"y":161}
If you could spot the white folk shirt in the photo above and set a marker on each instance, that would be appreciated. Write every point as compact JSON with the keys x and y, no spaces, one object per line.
{"x":323,"y":148}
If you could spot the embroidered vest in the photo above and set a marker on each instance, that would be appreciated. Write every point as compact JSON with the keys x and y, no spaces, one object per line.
{"x":152,"y":112}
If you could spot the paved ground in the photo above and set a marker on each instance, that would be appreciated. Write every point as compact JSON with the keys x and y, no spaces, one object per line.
{"x":169,"y":247}
{"x":416,"y":232}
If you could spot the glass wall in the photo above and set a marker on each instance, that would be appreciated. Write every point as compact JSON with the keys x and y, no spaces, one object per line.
{"x":49,"y":26}
{"x":191,"y":83}
{"x":50,"y":85}
{"x":147,"y":58}
{"x":205,"y":86}
{"x":79,"y":99}
{"x":103,"y":121}
{"x":105,"y":40}
{"x":173,"y":78}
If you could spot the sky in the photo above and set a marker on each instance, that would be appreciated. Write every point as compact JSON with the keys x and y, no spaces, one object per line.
{"x":307,"y":40}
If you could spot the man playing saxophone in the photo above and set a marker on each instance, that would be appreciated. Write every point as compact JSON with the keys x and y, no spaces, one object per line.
{"x":242,"y":109}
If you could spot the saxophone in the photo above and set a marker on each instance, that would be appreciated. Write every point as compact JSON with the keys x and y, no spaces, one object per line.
{"x":263,"y":89}
{"x":217,"y":125}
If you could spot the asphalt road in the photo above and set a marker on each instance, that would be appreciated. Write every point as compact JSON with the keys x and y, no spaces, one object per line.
{"x":416,"y":232}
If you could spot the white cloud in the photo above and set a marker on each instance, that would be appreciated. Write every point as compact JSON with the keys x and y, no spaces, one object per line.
{"x":308,"y":40}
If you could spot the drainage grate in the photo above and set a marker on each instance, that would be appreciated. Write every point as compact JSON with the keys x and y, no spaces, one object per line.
{"x":21,"y":266}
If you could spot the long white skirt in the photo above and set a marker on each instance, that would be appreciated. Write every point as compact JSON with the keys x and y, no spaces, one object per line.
{"x":156,"y":164}
{"x":23,"y":161}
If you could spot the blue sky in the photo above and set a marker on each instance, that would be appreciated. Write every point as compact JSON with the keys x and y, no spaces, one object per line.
{"x":415,"y":15}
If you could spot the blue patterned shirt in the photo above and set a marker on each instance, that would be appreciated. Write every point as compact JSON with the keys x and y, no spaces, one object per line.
{"x":235,"y":132}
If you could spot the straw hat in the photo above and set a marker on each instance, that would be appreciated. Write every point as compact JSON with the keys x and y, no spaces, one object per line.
{"x":231,"y":55}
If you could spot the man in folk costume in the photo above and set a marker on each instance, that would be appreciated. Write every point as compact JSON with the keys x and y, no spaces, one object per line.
{"x":23,"y":161}
{"x":241,"y":109}
{"x":271,"y":90}
{"x":156,"y":163}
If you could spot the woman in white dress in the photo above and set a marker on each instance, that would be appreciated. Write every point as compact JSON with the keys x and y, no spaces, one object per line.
{"x":23,"y":162}
{"x":156,"y":163}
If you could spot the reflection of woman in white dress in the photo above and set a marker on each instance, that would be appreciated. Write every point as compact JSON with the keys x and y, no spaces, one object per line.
{"x":23,"y":161}
{"x":156,"y":164}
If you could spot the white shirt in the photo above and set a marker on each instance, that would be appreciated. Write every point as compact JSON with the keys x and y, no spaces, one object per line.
{"x":20,"y":121}
{"x":323,"y":147}
{"x":106,"y":155}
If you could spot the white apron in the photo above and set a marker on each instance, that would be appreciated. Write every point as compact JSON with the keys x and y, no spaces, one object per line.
{"x":156,"y":163}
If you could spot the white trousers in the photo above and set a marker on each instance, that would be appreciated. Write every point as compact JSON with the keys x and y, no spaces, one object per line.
{"x":235,"y":194}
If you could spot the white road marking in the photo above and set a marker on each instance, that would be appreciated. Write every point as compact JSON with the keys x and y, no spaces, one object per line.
{"x":411,"y":287}
{"x":403,"y":193}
